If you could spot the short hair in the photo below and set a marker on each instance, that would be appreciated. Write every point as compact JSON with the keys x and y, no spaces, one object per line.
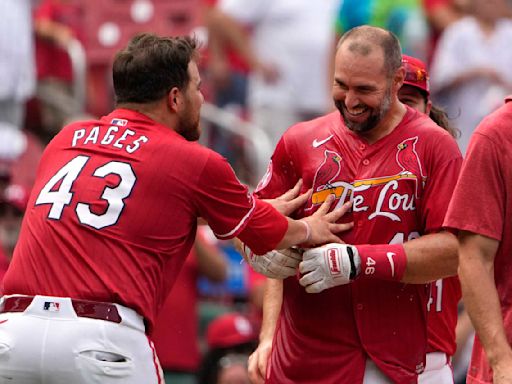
{"x":150,"y":66}
{"x":363,"y":39}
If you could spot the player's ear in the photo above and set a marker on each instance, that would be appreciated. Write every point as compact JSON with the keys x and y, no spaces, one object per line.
{"x":399,"y":77}
{"x":173,"y":98}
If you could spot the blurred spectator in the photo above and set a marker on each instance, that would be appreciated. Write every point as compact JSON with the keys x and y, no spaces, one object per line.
{"x":57,"y":26}
{"x":176,"y":335}
{"x":227,"y":70}
{"x":12,"y":207}
{"x":227,"y":75}
{"x":20,"y":152}
{"x":17,"y":70}
{"x":230,"y":339}
{"x":440,"y":14}
{"x":404,"y":18}
{"x":471,"y":68}
{"x":19,"y":155}
{"x":288,"y":50}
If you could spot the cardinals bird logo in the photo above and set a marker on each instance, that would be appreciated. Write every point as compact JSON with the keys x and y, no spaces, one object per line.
{"x":408,"y":159}
{"x":327,"y":172}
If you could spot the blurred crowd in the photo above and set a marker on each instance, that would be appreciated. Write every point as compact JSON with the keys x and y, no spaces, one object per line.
{"x":267,"y":64}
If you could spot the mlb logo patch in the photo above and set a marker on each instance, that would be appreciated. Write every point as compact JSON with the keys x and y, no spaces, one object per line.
{"x":119,"y":122}
{"x":51,"y":306}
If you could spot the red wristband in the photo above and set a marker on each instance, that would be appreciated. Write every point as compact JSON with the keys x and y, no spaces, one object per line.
{"x":382,"y":261}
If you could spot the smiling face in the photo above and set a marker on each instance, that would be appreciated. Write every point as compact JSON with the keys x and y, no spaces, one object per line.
{"x":363,"y":92}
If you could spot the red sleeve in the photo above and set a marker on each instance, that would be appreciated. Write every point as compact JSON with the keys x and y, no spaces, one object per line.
{"x":479,"y":199}
{"x":266,"y":228}
{"x":231,"y":210}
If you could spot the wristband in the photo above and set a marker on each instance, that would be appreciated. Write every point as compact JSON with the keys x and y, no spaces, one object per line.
{"x":308,"y":231}
{"x":382,"y":261}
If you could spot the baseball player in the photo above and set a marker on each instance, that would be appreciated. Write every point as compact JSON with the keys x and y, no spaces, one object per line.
{"x":445,"y":293}
{"x":367,"y":321}
{"x":111,"y":218}
{"x":480,"y":209}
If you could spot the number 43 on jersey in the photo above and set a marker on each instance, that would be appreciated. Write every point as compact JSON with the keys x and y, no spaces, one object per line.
{"x":61,"y":197}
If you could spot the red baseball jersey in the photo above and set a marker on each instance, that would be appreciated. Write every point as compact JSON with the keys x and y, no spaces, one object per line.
{"x":486,"y":181}
{"x":442,"y":315}
{"x":400,"y":187}
{"x":114,"y":209}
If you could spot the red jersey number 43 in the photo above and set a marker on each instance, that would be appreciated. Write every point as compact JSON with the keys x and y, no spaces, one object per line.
{"x":60,"y":198}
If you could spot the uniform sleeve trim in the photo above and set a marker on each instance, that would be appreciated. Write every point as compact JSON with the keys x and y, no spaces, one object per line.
{"x":240,"y":224}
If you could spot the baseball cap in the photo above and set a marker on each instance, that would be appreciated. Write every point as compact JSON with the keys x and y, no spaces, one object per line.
{"x":230,"y":330}
{"x":416,"y":73}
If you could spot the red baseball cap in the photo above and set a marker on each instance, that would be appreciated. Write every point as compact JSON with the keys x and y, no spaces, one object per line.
{"x":230,"y":330}
{"x":416,"y":73}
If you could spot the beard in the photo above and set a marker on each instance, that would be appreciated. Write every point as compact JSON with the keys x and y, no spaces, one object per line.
{"x":188,"y":126}
{"x":376,"y":114}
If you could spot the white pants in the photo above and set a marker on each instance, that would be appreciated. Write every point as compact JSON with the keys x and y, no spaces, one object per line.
{"x":373,"y":375}
{"x":49,"y":343}
{"x":437,"y":370}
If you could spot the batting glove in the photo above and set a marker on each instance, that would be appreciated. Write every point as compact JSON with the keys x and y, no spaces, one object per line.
{"x":277,"y":264}
{"x":328,"y":266}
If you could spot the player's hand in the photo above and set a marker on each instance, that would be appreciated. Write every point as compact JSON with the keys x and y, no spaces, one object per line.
{"x":277,"y":264}
{"x":323,"y":223}
{"x":290,"y":201}
{"x":328,"y":266}
{"x":258,"y":362}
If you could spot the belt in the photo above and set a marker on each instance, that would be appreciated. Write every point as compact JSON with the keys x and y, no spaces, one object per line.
{"x":83,"y":308}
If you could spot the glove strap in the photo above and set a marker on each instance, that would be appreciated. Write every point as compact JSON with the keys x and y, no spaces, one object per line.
{"x":382,"y":261}
{"x":353,"y":268}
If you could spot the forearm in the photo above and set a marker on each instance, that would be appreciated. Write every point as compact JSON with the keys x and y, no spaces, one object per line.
{"x":481,"y":299}
{"x":272,"y":301}
{"x":430,"y":257}
{"x":417,"y":261}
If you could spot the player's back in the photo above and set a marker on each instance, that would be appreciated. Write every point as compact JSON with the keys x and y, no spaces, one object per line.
{"x":113,"y":200}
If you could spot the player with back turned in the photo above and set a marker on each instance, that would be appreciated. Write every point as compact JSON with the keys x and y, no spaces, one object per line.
{"x":357,"y":312}
{"x":480,"y":210}
{"x":111,"y":218}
